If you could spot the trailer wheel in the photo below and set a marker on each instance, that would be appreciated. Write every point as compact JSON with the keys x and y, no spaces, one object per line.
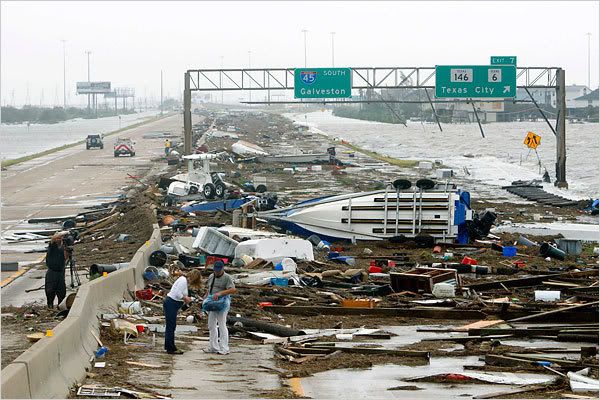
{"x":425,"y":184}
{"x":401,"y":184}
{"x":209,"y":191}
{"x":193,"y":189}
{"x":220,"y":189}
{"x":261,"y":188}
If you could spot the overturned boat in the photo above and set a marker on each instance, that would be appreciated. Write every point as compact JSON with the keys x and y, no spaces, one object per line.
{"x":441,"y":211}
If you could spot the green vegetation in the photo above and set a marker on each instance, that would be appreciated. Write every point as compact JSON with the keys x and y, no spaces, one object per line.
{"x":380,"y":157}
{"x":46,"y":115}
{"x":8,"y":163}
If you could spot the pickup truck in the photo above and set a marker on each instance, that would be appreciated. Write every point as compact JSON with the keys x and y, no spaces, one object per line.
{"x":124,"y":146}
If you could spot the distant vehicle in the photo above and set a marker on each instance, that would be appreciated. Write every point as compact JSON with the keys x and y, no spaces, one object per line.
{"x":124,"y":146}
{"x":94,"y":141}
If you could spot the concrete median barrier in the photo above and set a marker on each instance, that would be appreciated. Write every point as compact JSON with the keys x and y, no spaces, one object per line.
{"x":50,"y":367}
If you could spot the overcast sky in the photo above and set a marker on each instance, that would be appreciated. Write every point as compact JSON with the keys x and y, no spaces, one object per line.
{"x":132,"y":41}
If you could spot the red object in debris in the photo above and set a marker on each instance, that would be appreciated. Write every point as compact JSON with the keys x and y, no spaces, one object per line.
{"x":336,"y":248}
{"x":437,"y":249}
{"x":391,"y":264}
{"x":264,"y":304}
{"x":145,"y":294}
{"x":375,"y":270}
{"x":469,"y":261}
{"x":140,"y":328}
{"x":519,"y":264}
{"x":210,"y":260}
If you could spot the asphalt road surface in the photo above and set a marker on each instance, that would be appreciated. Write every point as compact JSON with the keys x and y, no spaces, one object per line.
{"x":64,"y":183}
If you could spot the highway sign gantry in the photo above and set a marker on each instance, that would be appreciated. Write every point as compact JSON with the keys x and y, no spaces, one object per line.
{"x":322,"y":83}
{"x":475,"y":81}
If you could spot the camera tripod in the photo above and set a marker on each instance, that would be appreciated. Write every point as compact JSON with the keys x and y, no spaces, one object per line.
{"x":73,"y":269}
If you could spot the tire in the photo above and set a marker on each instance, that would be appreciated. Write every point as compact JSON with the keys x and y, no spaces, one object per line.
{"x":87,"y":147}
{"x":425,"y":184}
{"x":193,"y":189}
{"x":116,"y":154}
{"x":401,"y":184}
{"x":261,"y":188}
{"x":133,"y":154}
{"x":169,"y":200}
{"x":102,"y":147}
{"x":209,"y":191}
{"x":220,"y":189}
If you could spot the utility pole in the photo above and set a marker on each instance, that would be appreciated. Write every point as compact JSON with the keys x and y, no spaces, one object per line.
{"x":64,"y":74}
{"x":332,"y":50}
{"x":589,"y":36}
{"x":88,"y":57}
{"x":561,"y":147}
{"x":187,"y":115}
{"x":161,"y":93}
{"x":249,"y":80}
{"x":304,"y":31}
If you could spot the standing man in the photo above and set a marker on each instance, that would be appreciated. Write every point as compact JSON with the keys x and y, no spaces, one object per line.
{"x":167,"y":147}
{"x":220,"y":286}
{"x":56,"y":257}
{"x":174,"y":300}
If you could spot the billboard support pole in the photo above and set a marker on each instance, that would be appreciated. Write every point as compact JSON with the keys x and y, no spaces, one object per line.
{"x":561,"y":134}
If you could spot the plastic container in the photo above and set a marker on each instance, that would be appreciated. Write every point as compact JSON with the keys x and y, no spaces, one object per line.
{"x":569,"y":246}
{"x":547,"y":295}
{"x":509,"y":251}
{"x":469,"y":261}
{"x":522,"y":240}
{"x":288,"y":264}
{"x":279,"y":281}
{"x":547,"y":250}
{"x":443,"y":290}
{"x":375,"y":270}
{"x":278,"y":267}
{"x":264,"y":304}
{"x":130,"y":307}
{"x":101,"y":352}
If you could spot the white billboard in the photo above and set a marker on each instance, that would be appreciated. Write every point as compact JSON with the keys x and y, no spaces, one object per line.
{"x":93,"y":87}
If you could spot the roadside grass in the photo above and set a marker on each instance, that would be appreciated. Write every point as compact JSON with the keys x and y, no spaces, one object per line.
{"x":15,"y":161}
{"x":381,"y":157}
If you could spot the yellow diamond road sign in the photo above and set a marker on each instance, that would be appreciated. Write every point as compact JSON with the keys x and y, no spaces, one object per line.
{"x":532,"y":140}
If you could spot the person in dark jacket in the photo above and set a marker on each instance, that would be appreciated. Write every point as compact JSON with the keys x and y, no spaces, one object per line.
{"x":55,"y":276}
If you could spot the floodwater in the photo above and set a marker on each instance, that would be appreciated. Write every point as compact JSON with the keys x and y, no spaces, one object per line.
{"x":496,"y":160}
{"x":22,"y":140}
{"x":374,"y":383}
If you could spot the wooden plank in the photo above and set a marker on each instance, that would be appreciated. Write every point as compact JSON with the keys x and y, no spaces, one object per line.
{"x":479,"y":324}
{"x":560,"y":310}
{"x":504,"y":393}
{"x":421,"y":312}
{"x":141,"y":364}
{"x":368,"y":350}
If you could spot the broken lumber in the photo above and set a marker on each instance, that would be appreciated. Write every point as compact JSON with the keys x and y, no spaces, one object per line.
{"x":372,"y":350}
{"x":421,"y":312}
{"x":560,"y":310}
{"x":268,"y":327}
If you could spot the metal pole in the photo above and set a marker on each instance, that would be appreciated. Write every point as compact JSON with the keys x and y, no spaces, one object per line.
{"x":220,"y":80}
{"x":332,"y":50}
{"x":304,"y":31}
{"x":187,"y":115}
{"x":249,"y":80}
{"x":433,"y":109}
{"x":88,"y":57}
{"x":589,"y":35}
{"x":542,"y":111}
{"x":479,"y":122}
{"x":64,"y":74}
{"x":161,"y":93}
{"x":561,"y":143}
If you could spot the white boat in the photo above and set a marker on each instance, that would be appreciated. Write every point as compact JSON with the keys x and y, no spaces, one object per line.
{"x":378,"y":215}
{"x":243,"y":148}
{"x":297,"y":158}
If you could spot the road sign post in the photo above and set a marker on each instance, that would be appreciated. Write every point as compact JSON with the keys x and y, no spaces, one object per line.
{"x":475,"y":81}
{"x":503,"y":60}
{"x":322,"y":83}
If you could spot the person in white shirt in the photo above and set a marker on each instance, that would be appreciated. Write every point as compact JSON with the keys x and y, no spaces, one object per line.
{"x":174,"y":300}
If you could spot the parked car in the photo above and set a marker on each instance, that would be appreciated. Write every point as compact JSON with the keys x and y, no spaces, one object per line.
{"x":94,"y":141}
{"x":124,"y":146}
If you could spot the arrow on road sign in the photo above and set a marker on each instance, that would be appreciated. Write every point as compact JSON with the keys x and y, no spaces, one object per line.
{"x":506,"y":89}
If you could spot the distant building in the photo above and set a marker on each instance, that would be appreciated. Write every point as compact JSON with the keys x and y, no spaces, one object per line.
{"x":541,"y":96}
{"x":572,"y":92}
{"x":588,"y":100}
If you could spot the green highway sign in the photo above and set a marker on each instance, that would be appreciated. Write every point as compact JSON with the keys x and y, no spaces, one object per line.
{"x":475,"y":81}
{"x":503,"y":60}
{"x":322,"y":83}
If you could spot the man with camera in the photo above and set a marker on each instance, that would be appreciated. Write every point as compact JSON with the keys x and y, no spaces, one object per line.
{"x":56,"y":257}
